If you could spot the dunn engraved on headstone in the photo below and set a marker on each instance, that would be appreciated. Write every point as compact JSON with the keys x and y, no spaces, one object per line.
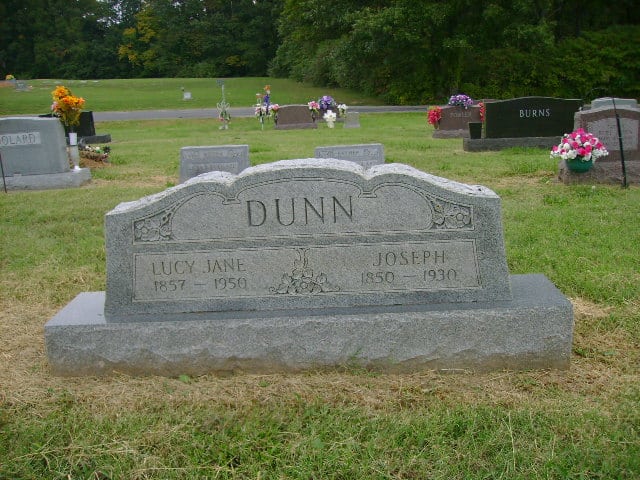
{"x":306,"y":264}
{"x":219,"y":243}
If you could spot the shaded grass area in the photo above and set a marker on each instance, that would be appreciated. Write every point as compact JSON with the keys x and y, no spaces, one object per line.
{"x":348,"y":423}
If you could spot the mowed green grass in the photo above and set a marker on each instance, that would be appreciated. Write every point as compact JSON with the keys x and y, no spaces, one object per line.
{"x":347,"y":423}
{"x":167,"y":93}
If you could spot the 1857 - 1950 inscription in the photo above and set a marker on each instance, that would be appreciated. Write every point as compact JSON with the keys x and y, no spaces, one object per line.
{"x":305,"y":234}
{"x":256,"y":272}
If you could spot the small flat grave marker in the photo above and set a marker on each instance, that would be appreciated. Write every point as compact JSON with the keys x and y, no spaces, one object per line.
{"x":366,"y":155}
{"x":223,"y":158}
{"x":352,"y":120}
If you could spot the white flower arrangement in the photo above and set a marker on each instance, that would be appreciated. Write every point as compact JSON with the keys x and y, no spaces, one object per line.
{"x":330,"y":118}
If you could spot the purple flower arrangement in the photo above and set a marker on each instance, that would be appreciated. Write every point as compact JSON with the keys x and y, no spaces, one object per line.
{"x":461,"y":100}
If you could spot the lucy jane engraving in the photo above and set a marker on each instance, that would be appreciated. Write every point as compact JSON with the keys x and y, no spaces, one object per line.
{"x":257,"y":272}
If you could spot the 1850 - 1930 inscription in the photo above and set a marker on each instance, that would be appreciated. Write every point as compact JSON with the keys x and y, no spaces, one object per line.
{"x":310,"y":233}
{"x":256,"y":272}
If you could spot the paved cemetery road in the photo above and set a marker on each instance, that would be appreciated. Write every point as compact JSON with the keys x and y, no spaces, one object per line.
{"x":235,"y":112}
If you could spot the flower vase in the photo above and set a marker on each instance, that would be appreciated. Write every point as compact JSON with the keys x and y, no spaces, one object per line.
{"x":74,"y":154}
{"x":578,"y":165}
{"x":475,"y":130}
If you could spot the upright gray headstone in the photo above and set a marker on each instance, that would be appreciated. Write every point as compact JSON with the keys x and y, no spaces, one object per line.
{"x":366,"y":155}
{"x":222,"y":158}
{"x":34,"y":155}
{"x":352,"y":120}
{"x":21,"y":86}
{"x":307,"y":264}
{"x":602,"y":123}
{"x":295,"y":116}
{"x":619,"y":102}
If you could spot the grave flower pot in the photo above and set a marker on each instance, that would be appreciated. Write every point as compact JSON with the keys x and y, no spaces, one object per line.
{"x":475,"y":129}
{"x":576,"y":147}
{"x":579,"y":165}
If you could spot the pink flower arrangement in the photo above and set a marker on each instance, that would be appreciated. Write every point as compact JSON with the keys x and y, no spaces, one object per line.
{"x":579,"y":145}
{"x":434,"y":115}
{"x":314,"y":106}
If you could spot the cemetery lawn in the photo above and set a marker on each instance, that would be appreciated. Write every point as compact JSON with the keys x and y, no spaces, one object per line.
{"x":346,"y":423}
{"x":167,"y":93}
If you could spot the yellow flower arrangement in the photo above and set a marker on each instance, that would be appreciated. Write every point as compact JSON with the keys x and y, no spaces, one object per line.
{"x":66,"y":106}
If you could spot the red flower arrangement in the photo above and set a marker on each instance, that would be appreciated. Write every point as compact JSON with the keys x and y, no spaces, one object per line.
{"x":434,"y":115}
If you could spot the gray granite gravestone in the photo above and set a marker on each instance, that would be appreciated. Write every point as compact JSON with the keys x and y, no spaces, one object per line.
{"x":352,"y":120}
{"x":601,"y":122}
{"x":620,"y":102}
{"x":366,"y":155}
{"x":295,"y":116}
{"x":223,"y":158}
{"x":455,"y":121}
{"x":21,"y":86}
{"x":34,"y":155}
{"x":306,"y":264}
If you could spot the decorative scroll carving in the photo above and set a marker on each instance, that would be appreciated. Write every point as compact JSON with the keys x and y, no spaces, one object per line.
{"x":449,"y":216}
{"x":156,"y":227}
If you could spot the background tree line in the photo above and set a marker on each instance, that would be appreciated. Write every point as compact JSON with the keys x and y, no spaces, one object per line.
{"x":405,"y":51}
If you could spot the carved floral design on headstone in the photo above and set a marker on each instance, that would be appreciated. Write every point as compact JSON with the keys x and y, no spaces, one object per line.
{"x":451,"y":216}
{"x":301,"y":280}
{"x":154,"y":228}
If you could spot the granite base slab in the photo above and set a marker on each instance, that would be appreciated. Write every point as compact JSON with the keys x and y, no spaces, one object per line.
{"x":71,"y":179}
{"x":602,"y":172}
{"x":532,"y":331}
{"x":495,"y":144}
{"x":460,"y":133}
{"x":93,"y":139}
